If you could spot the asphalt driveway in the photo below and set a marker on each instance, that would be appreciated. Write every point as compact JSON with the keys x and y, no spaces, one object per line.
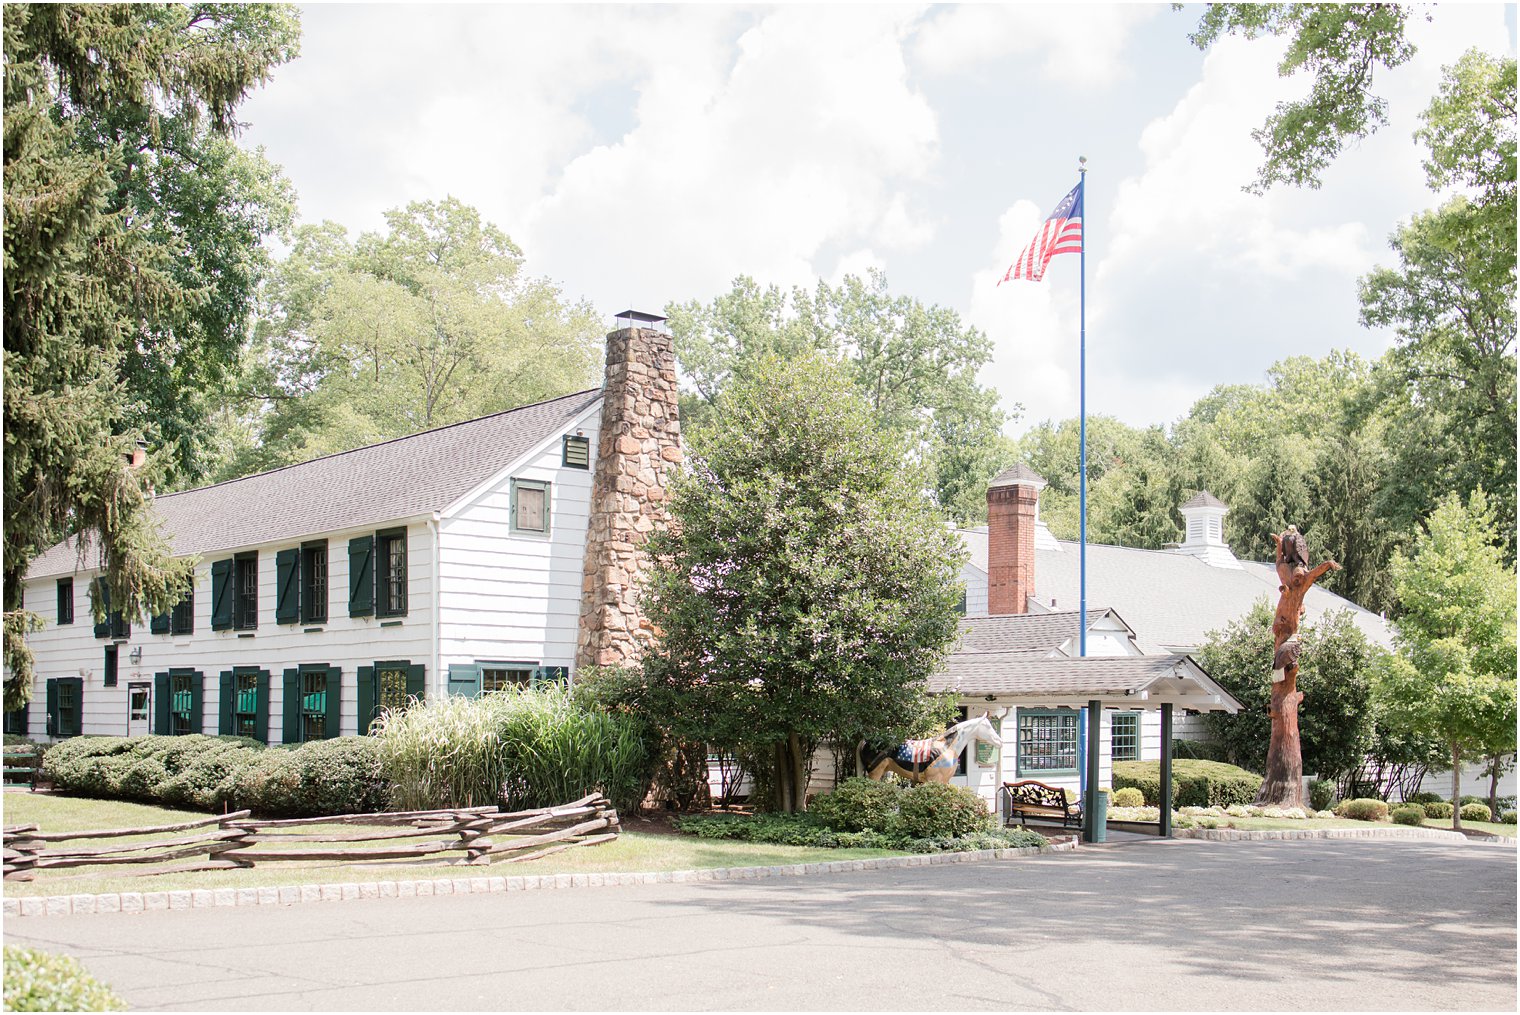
{"x":1338,"y":925}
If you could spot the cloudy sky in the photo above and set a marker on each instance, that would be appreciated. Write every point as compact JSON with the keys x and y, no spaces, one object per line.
{"x":647,"y":154}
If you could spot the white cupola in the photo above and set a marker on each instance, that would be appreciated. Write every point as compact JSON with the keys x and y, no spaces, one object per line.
{"x":1204,"y":518}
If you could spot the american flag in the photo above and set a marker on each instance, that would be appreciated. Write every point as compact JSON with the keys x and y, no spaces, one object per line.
{"x":1061,"y":234}
{"x":917,"y":751}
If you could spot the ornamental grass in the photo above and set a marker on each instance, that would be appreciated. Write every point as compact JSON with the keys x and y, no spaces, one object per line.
{"x":520,"y":748}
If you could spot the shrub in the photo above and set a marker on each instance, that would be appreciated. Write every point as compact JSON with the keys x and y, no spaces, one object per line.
{"x":1476,"y":812}
{"x":340,"y":776}
{"x":1321,"y":794}
{"x":524,"y":748}
{"x":1194,"y":783}
{"x":1507,"y":818}
{"x":938,"y":810}
{"x":37,"y":981}
{"x":1438,"y":809}
{"x":187,"y":771}
{"x":1408,"y":814}
{"x":806,"y":830}
{"x":1424,"y":796}
{"x":1128,"y":796}
{"x":1363,"y":809}
{"x":858,"y":804}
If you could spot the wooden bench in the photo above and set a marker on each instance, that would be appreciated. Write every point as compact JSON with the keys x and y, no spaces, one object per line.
{"x":23,"y":763}
{"x":1030,"y":798}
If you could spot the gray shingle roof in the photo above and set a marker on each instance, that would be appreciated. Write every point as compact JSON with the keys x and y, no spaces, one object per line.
{"x":1171,"y":600}
{"x":1003,"y":673}
{"x":1024,"y":635}
{"x":1204,"y":499}
{"x":401,"y":478}
{"x":1019,"y":473}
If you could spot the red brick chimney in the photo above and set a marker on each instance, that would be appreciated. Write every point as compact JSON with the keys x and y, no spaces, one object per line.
{"x":1012,"y":498}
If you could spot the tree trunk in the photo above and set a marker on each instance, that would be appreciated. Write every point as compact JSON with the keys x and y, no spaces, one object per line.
{"x":1284,"y":782}
{"x":783,"y":780}
{"x":798,"y":773}
{"x":1456,"y":787}
{"x":1495,"y":762}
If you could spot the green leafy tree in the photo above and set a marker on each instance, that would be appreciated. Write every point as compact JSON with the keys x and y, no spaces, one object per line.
{"x":1336,"y":673}
{"x":1342,"y":46}
{"x":93,"y":283}
{"x":430,"y":322}
{"x":915,"y":365}
{"x":807,"y":588}
{"x":1453,"y":676}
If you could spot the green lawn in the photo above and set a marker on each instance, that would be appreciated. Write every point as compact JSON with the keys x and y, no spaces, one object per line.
{"x":630,"y":852}
{"x":1264,"y":824}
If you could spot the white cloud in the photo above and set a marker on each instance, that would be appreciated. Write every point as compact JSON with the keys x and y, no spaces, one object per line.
{"x":805,"y":142}
{"x":1081,"y":44}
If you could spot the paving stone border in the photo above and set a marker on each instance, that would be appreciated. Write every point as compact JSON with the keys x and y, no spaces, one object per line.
{"x":1262,"y":835}
{"x":289,"y":895}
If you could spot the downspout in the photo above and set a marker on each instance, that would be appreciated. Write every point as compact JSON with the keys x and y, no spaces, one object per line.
{"x":437,"y":608}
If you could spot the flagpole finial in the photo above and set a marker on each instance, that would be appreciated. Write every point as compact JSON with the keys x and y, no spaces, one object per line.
{"x":1081,"y":163}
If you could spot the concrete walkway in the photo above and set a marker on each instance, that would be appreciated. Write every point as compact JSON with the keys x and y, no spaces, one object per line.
{"x":1308,"y":925}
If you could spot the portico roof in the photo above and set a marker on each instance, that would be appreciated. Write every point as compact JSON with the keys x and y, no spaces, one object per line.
{"x":1131,"y":682}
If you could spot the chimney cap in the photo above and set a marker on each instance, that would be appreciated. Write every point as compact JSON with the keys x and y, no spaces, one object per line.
{"x":1018,"y":475}
{"x":1204,"y":499}
{"x":639,"y":319}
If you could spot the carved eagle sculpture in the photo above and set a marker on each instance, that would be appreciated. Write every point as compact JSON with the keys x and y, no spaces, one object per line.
{"x":1295,"y":551}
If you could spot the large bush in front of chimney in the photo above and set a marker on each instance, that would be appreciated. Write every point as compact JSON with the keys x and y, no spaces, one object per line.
{"x":807,"y":587}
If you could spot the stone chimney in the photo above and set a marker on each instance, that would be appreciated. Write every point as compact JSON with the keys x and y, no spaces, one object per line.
{"x":638,"y":444}
{"x":1013,"y":499}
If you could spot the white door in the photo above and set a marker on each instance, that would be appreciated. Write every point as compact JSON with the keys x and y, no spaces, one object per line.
{"x":139,"y":709}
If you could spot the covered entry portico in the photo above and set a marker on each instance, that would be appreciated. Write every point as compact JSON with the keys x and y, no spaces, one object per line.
{"x":1047,"y":703}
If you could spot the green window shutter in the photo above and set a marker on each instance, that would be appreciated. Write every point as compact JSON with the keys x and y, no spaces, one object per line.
{"x":159,"y":623}
{"x":361,"y":576}
{"x":366,"y":698}
{"x":416,"y":681}
{"x":52,"y":708}
{"x":334,"y":723}
{"x":261,"y":716}
{"x":291,"y":732}
{"x":76,"y":726}
{"x":198,"y":702}
{"x":287,"y":585}
{"x":119,"y":626}
{"x":221,"y":595}
{"x":224,"y":723}
{"x":161,"y":719}
{"x":464,"y":680}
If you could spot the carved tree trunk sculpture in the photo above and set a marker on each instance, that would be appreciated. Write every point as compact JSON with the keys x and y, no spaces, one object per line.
{"x":1284,"y":782}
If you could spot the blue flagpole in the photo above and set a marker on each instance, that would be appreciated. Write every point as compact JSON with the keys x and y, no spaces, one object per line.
{"x":1082,"y":387}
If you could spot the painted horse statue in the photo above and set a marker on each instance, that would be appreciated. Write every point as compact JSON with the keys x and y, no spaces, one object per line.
{"x":930,"y":760}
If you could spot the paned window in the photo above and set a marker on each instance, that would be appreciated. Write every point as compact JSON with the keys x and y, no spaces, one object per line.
{"x":1047,"y":742}
{"x":112,"y":652}
{"x":245,"y":705}
{"x":577,"y":453}
{"x":1124,"y":736}
{"x":182,"y":620}
{"x":390,"y":578}
{"x":530,"y":506}
{"x":137,"y":703}
{"x":182,"y":717}
{"x":314,"y":583}
{"x":314,"y":705}
{"x":500,"y":678}
{"x":245,"y":613}
{"x":68,"y":708}
{"x":65,"y":600}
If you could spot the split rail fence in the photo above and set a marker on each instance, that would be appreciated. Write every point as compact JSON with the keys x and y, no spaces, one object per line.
{"x":483,"y":835}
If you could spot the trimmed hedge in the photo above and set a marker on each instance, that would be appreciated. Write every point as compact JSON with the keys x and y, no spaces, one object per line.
{"x":1424,"y":796}
{"x":38,"y":981}
{"x":1321,"y":794}
{"x":1476,"y":812}
{"x":1194,"y":783}
{"x":1363,"y":809}
{"x":806,"y":830}
{"x":1438,"y":809}
{"x":1128,"y":796}
{"x":339,"y":776}
{"x":1507,"y":818}
{"x":1408,"y":814}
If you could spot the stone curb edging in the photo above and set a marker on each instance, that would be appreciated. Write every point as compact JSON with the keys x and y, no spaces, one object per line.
{"x":208,"y":898}
{"x":1238,"y":835}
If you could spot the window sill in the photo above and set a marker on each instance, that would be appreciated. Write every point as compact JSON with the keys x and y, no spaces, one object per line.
{"x":313,"y":630}
{"x":391,"y":623}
